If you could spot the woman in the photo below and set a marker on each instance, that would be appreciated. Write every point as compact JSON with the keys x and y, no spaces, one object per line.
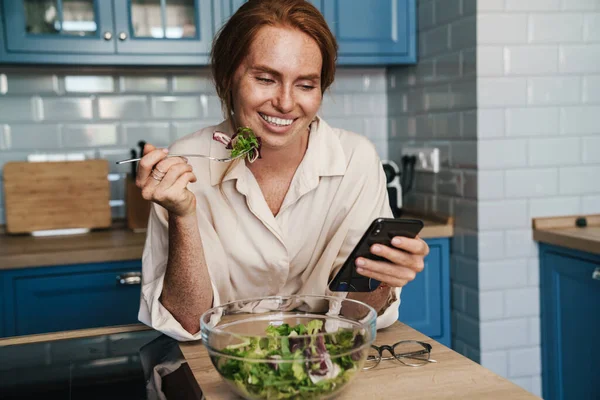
{"x":285,"y":223}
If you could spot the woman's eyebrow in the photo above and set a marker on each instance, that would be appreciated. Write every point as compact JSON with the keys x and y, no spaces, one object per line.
{"x":264,"y":68}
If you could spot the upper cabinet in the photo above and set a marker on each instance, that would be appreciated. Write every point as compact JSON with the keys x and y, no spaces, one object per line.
{"x":373,"y":32}
{"x":180,"y":32}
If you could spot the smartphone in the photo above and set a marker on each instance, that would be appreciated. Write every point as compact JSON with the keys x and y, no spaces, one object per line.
{"x":381,"y":231}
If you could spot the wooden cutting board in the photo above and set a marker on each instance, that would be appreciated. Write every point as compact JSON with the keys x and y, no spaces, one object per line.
{"x":56,"y":195}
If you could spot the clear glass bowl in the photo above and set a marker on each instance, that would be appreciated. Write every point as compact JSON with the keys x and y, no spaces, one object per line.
{"x":284,"y":347}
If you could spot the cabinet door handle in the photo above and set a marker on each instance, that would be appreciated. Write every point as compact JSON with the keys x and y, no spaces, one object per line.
{"x":107,"y":36}
{"x":129,"y":278}
{"x":122,"y":36}
{"x":596,"y":274}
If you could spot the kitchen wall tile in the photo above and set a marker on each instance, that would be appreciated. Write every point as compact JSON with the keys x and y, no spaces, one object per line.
{"x":495,"y":361}
{"x":536,"y":385}
{"x":463,"y":154}
{"x":532,"y":121}
{"x":90,"y":135}
{"x":591,"y":27}
{"x":503,"y":274}
{"x":555,"y":27}
{"x":426,"y":15}
{"x":590,"y":204}
{"x":436,"y":41}
{"x":491,"y":305}
{"x":437,"y":98}
{"x":523,"y":382}
{"x":532,"y":5}
{"x":89,"y":84}
{"x":17,"y":109}
{"x":335,"y":105}
{"x":554,"y":206}
{"x":442,"y":205}
{"x":66,"y":109}
{"x":469,"y":179}
{"x":466,"y":271}
{"x":30,"y":136}
{"x":157,"y":133}
{"x":501,"y":92}
{"x":184,"y":128}
{"x":591,"y":89}
{"x":458,"y":297}
{"x":576,"y":59}
{"x":31,"y":84}
{"x":519,"y":243}
{"x":502,"y":214}
{"x":554,"y":151}
{"x":490,"y":60}
{"x":531,"y":182}
{"x":375,"y":129}
{"x":143,"y":84}
{"x":491,"y":122}
{"x":425,"y":126}
{"x":446,"y":11}
{"x":554,"y":90}
{"x":469,"y":124}
{"x":579,"y":180}
{"x":498,"y":154}
{"x":360,"y":80}
{"x":467,"y":329}
{"x":199,"y":82}
{"x":490,"y":185}
{"x":534,"y":270}
{"x":175,"y":107}
{"x":416,"y":101}
{"x":471,"y":302}
{"x":446,"y":125}
{"x":579,"y":5}
{"x":368,"y":105}
{"x":469,"y":7}
{"x":503,"y":334}
{"x":522,"y":302}
{"x":579,"y":120}
{"x":465,"y":213}
{"x":491,"y":245}
{"x":447,"y":67}
{"x":124,"y":107}
{"x":468,"y":62}
{"x":426,"y":72}
{"x":450,"y":183}
{"x":491,"y":28}
{"x":524,"y":362}
{"x":534,"y":331}
{"x":530,"y":60}
{"x":490,"y":5}
{"x":116,"y":154}
{"x":462,"y":32}
{"x":348,"y":123}
{"x":3,"y":84}
{"x":211,"y":107}
{"x":464,"y":95}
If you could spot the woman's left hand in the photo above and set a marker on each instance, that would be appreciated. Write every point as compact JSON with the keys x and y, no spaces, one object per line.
{"x":404,"y":261}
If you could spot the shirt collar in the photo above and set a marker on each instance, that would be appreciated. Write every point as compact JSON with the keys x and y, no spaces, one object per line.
{"x":324,"y":156}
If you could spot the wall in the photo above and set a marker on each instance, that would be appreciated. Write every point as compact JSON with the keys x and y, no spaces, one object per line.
{"x":525,"y":143}
{"x":105,"y":115}
{"x":434,"y":104}
{"x":538,"y":83}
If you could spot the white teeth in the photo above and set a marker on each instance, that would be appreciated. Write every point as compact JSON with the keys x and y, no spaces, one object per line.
{"x":276,"y":121}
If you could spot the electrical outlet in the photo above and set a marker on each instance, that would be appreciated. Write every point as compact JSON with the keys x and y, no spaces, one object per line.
{"x":428,"y":158}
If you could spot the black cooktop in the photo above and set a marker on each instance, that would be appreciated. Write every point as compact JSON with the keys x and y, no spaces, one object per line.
{"x":132,"y":365}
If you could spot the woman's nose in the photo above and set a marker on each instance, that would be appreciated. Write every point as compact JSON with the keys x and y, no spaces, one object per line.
{"x":284,"y":100}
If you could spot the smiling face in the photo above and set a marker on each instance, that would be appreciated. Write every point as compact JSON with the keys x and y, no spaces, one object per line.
{"x":277,"y":88}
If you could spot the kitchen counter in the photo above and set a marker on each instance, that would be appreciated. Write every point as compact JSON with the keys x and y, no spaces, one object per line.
{"x":452,"y":377}
{"x":120,"y":243}
{"x":563,"y":231}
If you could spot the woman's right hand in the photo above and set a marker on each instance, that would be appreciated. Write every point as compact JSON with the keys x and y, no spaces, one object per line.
{"x":164,"y":181}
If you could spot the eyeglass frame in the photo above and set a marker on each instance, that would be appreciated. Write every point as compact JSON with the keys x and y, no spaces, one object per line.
{"x":427,"y":349}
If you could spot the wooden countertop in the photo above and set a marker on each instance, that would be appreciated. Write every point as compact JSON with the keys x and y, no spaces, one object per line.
{"x":120,"y":243}
{"x":563,"y":231}
{"x":452,"y":377}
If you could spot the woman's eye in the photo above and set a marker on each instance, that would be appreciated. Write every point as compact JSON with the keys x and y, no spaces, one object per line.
{"x":266,"y":80}
{"x":307,"y":87}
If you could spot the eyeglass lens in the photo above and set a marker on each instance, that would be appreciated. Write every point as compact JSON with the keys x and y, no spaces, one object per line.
{"x":410,"y":353}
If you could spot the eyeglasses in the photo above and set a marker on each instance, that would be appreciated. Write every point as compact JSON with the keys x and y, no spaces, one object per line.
{"x":409,"y":352}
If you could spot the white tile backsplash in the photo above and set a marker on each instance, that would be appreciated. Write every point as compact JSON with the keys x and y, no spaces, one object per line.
{"x":554,"y":90}
{"x":555,"y":27}
{"x":532,"y":5}
{"x":579,"y":120}
{"x":591,"y":27}
{"x":591,"y":89}
{"x":578,"y":59}
{"x":532,"y":121}
{"x":524,"y":362}
{"x":492,"y":28}
{"x":502,"y":153}
{"x":526,"y":60}
{"x":531,"y":182}
{"x":554,"y":151}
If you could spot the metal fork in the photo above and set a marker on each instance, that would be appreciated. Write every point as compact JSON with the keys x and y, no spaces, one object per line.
{"x":227,"y":159}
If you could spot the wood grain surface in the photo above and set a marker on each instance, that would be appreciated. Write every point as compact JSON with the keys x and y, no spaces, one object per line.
{"x":563,"y":231}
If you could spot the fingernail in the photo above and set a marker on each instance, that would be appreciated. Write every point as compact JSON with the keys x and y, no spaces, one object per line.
{"x":360,"y":270}
{"x":165,"y":150}
{"x":360,"y":262}
{"x":376,"y":249}
{"x":396,"y":241}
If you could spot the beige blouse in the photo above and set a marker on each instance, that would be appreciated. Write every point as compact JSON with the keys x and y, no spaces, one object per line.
{"x":337,"y":191}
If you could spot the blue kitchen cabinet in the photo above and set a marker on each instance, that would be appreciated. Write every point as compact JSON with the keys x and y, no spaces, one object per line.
{"x":373,"y":32}
{"x":50,"y":299}
{"x":425,"y":302}
{"x":570,"y":322}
